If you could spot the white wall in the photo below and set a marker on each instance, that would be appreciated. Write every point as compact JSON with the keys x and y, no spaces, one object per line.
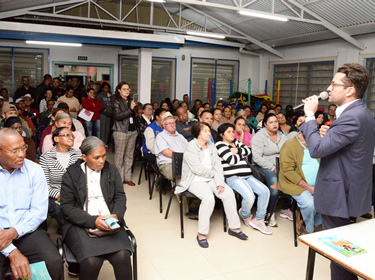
{"x":337,"y":50}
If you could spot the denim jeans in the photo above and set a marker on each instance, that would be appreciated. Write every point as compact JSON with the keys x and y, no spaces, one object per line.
{"x":305,"y":202}
{"x":246,"y":187}
{"x":93,"y":128}
{"x":274,"y":193}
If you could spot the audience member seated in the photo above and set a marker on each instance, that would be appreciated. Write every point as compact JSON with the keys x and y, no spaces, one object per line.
{"x":41,"y":90}
{"x":202,"y":175}
{"x":9,"y":110}
{"x":261,"y":113}
{"x":91,"y":103}
{"x":155,"y":106}
{"x":241,"y":132}
{"x":72,"y":101}
{"x":207,"y":106}
{"x":288,"y":110}
{"x":297,"y":177}
{"x":331,"y":115}
{"x":105,"y":98}
{"x":29,"y":117}
{"x":269,"y":111}
{"x":167,"y":142}
{"x":283,"y":126}
{"x":43,"y":103}
{"x":25,"y":89}
{"x":297,"y":122}
{"x":278,"y":109}
{"x":186,"y":100}
{"x":238,"y":176}
{"x":28,"y":108}
{"x":54,"y":163}
{"x":61,"y":120}
{"x":150,"y":134}
{"x":184,"y":125}
{"x":197,"y":105}
{"x":145,"y":120}
{"x":91,"y":192}
{"x":16,"y":124}
{"x":206,"y":117}
{"x":46,"y":126}
{"x":266,"y":145}
{"x":5,"y":95}
{"x":50,"y":104}
{"x":165,"y":106}
{"x":227,"y":115}
{"x":319,"y":118}
{"x":26,"y":121}
{"x":77,"y":125}
{"x":24,"y":205}
{"x":190,"y":115}
{"x":250,"y":119}
{"x":217,"y":115}
{"x":290,"y":117}
{"x":220,"y":105}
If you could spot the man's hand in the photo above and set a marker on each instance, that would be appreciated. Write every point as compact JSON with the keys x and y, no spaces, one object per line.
{"x":6,"y":237}
{"x":101,"y":224}
{"x":19,"y":264}
{"x":323,"y":130}
{"x":275,"y":170}
{"x":311,"y":103}
{"x":73,"y":110}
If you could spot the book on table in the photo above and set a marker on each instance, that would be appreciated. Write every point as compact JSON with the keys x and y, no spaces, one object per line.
{"x":341,"y":245}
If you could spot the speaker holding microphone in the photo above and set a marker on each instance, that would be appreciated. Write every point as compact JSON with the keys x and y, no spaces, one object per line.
{"x":322,"y":96}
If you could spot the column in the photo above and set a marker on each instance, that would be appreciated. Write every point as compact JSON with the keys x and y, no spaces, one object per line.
{"x":144,"y":74}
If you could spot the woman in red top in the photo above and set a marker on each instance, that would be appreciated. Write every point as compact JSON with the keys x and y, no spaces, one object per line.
{"x":91,"y":103}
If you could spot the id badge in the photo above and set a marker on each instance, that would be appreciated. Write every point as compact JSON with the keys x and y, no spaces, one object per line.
{"x":131,"y":120}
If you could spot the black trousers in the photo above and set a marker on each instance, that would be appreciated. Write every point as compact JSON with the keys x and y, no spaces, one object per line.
{"x":337,"y":272}
{"x":36,"y":247}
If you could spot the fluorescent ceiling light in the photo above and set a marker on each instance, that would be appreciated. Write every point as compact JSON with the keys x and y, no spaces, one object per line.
{"x":158,"y":1}
{"x":211,"y":35}
{"x":261,"y":15}
{"x":54,"y":43}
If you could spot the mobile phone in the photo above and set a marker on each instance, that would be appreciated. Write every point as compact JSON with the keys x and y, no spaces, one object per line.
{"x":135,"y":98}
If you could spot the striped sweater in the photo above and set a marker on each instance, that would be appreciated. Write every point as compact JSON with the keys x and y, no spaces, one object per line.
{"x":54,"y":171}
{"x":234,"y":165}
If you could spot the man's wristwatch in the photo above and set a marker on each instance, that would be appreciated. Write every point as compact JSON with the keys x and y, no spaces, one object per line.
{"x":309,"y":114}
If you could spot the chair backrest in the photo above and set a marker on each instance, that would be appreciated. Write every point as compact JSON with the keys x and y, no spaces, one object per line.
{"x":177,"y":165}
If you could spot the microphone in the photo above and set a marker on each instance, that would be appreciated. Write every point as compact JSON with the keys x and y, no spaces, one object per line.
{"x":322,"y":96}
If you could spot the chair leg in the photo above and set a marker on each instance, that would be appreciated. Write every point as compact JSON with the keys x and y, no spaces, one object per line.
{"x":169,"y":204}
{"x":181,"y":216}
{"x":135,"y":265}
{"x":153,"y":184}
{"x":140,"y":174}
{"x":224,"y":219}
{"x":160,"y":197}
{"x":149,"y":182}
{"x":294,"y":209}
{"x":146,"y":170}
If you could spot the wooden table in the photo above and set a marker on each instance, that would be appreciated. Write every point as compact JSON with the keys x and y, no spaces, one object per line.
{"x":361,"y":234}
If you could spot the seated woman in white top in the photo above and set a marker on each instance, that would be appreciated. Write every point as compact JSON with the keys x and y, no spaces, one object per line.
{"x":66,"y":121}
{"x":202,"y":175}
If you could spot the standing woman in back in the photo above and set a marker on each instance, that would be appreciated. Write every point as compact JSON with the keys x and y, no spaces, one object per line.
{"x":124,"y":131}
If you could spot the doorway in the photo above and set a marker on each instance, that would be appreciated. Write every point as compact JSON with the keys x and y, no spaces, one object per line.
{"x":85,"y":72}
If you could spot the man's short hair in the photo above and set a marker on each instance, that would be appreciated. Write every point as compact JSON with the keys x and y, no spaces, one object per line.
{"x":144,"y":106}
{"x":205,"y":111}
{"x":4,"y":132}
{"x":47,"y":77}
{"x":330,"y":105}
{"x":198,"y":100}
{"x":63,"y":105}
{"x":278,"y":105}
{"x":186,"y":95}
{"x":23,"y":77}
{"x":51,"y":100}
{"x":356,"y":75}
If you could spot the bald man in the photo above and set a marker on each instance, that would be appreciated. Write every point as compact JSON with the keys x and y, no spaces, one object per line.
{"x":24,"y":201}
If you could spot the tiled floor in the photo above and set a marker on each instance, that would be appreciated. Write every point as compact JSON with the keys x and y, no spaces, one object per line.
{"x":162,"y":254}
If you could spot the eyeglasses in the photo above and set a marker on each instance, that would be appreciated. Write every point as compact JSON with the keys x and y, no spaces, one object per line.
{"x":334,"y":84}
{"x":66,"y":135}
{"x":127,"y":89}
{"x":17,"y":151}
{"x":332,"y":109}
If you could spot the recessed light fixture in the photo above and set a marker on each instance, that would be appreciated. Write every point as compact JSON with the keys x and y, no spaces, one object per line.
{"x":54,"y":43}
{"x":206,"y":34}
{"x":261,"y":15}
{"x":158,"y":1}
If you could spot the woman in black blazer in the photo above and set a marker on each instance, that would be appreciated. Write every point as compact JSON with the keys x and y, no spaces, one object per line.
{"x":106,"y":198}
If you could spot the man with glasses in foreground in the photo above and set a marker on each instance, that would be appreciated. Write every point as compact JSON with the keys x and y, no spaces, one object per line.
{"x":167,"y":142}
{"x":24,"y":204}
{"x":344,"y":182}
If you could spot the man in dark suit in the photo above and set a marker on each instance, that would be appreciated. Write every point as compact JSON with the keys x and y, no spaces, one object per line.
{"x":344,"y":183}
{"x":41,"y":90}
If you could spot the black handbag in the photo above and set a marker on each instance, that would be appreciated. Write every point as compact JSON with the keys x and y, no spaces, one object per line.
{"x":256,"y":173}
{"x":95,"y":232}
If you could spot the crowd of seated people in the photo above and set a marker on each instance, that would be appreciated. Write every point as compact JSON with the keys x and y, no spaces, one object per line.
{"x":216,"y":146}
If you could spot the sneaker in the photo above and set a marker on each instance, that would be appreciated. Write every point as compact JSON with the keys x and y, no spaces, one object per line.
{"x":246,"y":221}
{"x":272,"y":221}
{"x":286,"y":214}
{"x":260,"y":225}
